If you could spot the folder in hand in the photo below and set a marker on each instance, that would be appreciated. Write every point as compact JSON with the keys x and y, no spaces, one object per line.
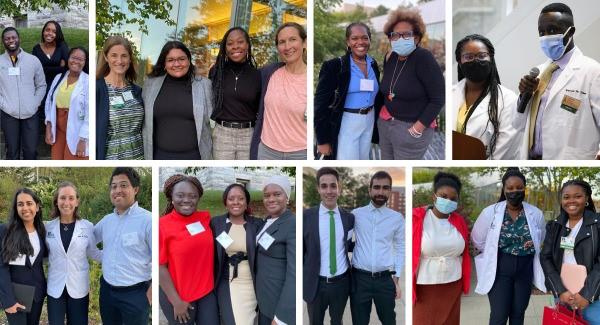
{"x":24,"y":295}
{"x":573,"y":277}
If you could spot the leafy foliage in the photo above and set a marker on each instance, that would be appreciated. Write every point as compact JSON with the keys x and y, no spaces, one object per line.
{"x":19,"y":7}
{"x":355,"y":189}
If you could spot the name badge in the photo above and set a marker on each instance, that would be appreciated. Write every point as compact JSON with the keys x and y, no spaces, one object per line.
{"x":14,"y":71}
{"x":117,"y":101}
{"x":367,"y":85}
{"x":20,"y":260}
{"x":266,"y":240}
{"x":224,"y":239}
{"x":570,"y":104}
{"x":567,"y":243}
{"x":195,"y":228}
{"x":128,"y":95}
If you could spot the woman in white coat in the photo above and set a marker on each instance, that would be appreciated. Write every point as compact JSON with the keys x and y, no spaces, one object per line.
{"x":509,"y":234}
{"x":70,"y":241}
{"x":482,"y":107}
{"x":67,"y":124}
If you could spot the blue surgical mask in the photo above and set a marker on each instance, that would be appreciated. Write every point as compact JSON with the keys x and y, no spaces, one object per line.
{"x":445,"y":206}
{"x":552,"y":45}
{"x":404,"y":47}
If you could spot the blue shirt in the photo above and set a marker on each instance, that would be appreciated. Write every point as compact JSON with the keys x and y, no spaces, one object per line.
{"x":127,"y":246}
{"x":379,"y":239}
{"x":355,"y":98}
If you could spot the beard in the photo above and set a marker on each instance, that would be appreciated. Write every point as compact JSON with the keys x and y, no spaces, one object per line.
{"x":379,"y":199}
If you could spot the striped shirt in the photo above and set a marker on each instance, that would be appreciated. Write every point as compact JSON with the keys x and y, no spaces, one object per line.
{"x":125,"y":123}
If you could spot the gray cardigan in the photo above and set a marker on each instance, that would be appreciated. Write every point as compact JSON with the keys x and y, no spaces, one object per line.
{"x":20,"y":96}
{"x":202,"y":97}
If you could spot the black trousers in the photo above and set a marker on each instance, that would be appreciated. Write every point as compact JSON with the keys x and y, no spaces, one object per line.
{"x":31,"y":318}
{"x":510,"y":293}
{"x":167,"y":155}
{"x":76,"y":310}
{"x":20,"y":135}
{"x":366,"y":290}
{"x":330,"y":295}
{"x":264,"y":320}
{"x":206,"y":310}
{"x":124,"y":305}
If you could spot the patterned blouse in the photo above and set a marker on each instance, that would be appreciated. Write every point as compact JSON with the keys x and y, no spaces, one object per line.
{"x":125,"y":123}
{"x":515,"y":238}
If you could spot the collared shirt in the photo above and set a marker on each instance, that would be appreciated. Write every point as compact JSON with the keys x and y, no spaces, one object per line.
{"x":355,"y":98}
{"x":379,"y":239}
{"x":562,"y":64}
{"x":127,"y":241}
{"x":341,"y":262}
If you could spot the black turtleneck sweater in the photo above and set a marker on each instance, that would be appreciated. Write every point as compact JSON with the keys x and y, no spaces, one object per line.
{"x":240,"y":102}
{"x":174,"y":125}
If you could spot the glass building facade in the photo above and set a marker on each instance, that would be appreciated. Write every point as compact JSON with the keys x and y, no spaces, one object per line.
{"x":201,"y":24}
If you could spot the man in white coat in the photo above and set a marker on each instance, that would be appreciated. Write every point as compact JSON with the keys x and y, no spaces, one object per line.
{"x":562,"y":119}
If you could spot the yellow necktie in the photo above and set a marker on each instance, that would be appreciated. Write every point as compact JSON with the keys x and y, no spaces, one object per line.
{"x":537,"y":96}
{"x":462,"y":117}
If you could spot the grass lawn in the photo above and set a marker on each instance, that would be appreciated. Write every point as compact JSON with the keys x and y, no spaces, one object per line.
{"x":73,"y":36}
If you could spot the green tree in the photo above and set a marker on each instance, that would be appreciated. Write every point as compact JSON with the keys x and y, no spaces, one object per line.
{"x":379,"y":11}
{"x":17,"y":8}
{"x":290,"y":171}
{"x":110,"y":17}
{"x":354,"y":189}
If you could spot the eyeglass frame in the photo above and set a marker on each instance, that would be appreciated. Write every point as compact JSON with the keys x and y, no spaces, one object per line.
{"x":404,"y":35}
{"x":486,"y":57}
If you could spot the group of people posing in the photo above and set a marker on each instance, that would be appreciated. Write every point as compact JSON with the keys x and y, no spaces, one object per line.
{"x":354,"y":109}
{"x":373,"y":234}
{"x":52,"y":81}
{"x":565,"y":97}
{"x":231,"y":269}
{"x":516,"y":250}
{"x":257,"y":113}
{"x":67,"y":241}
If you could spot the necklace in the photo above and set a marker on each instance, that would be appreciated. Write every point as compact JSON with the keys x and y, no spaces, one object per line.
{"x":65,"y":227}
{"x":237,"y":76}
{"x":391,"y":94}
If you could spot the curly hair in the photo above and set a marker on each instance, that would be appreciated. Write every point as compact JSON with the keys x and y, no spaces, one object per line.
{"x":442,"y":179}
{"x":174,"y":180}
{"x":411,"y":16}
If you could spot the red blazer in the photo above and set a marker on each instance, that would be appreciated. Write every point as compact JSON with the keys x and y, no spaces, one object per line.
{"x":459,"y":223}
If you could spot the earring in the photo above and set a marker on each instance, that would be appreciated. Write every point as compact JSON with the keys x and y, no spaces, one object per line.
{"x":587,"y":204}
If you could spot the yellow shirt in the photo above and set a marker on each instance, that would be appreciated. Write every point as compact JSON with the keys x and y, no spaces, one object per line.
{"x":63,"y":96}
{"x":462,"y":117}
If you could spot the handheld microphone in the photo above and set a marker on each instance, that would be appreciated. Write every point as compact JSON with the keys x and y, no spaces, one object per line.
{"x":525,"y":97}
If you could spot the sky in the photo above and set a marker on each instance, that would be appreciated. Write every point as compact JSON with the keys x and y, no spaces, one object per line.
{"x":398,"y":174}
{"x":375,"y":3}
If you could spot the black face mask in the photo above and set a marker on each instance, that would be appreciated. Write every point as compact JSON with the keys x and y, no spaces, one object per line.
{"x":476,"y":71}
{"x":515,"y":198}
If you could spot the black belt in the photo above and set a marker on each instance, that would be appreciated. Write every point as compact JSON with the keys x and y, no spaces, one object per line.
{"x":236,"y":125}
{"x":236,"y":259}
{"x":362,"y":110}
{"x":334,"y":278}
{"x":144,"y":284}
{"x":374,"y":274}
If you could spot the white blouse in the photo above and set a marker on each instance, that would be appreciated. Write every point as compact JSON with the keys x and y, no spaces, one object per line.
{"x":569,"y":254}
{"x":441,"y":251}
{"x":35,"y":243}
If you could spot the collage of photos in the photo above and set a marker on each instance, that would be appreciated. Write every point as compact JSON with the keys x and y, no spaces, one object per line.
{"x":466,"y":192}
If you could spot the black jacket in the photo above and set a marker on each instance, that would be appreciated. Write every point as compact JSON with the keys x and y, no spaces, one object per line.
{"x":328,"y":118}
{"x":586,"y":253}
{"x":218,"y":225}
{"x":312,"y":250}
{"x":28,"y":274}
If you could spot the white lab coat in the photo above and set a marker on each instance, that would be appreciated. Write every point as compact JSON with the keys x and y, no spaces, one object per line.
{"x":567,"y":135}
{"x":485,"y":236}
{"x":479,"y":125}
{"x":70,"y":268}
{"x":78,"y":118}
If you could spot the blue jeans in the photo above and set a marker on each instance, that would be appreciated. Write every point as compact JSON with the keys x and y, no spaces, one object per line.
{"x":354,"y":139}
{"x":592,"y":313}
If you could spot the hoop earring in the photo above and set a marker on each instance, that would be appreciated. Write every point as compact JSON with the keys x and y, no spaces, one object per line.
{"x":587,"y":204}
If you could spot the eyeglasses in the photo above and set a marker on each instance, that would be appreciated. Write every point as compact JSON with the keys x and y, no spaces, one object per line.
{"x":394,"y":36}
{"x":74,"y":58}
{"x":481,"y":56}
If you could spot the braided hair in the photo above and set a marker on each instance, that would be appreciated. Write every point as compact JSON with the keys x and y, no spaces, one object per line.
{"x":218,"y":70}
{"x":510,"y":172}
{"x":491,"y":87}
{"x":174,"y":180}
{"x":586,"y":188}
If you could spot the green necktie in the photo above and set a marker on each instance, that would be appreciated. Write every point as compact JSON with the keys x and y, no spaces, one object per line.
{"x":332,"y":250}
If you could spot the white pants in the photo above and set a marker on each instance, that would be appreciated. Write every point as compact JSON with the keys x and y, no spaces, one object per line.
{"x":354,"y":139}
